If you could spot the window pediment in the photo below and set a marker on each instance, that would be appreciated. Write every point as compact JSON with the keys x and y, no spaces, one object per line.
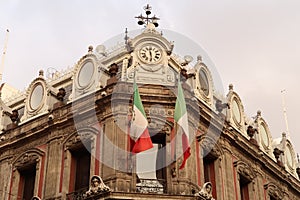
{"x":83,"y":136}
{"x":209,"y":146}
{"x":28,"y":158}
{"x":274,"y":191}
{"x":244,"y":170}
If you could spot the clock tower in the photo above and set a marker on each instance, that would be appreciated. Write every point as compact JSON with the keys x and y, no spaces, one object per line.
{"x":150,"y":54}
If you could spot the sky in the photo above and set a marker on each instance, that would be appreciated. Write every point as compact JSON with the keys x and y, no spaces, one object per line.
{"x":253,"y":44}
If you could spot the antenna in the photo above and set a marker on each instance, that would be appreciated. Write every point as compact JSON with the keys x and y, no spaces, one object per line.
{"x":284,"y":113}
{"x":3,"y":54}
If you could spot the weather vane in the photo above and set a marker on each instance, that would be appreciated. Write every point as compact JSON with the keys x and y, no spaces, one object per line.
{"x":146,"y":20}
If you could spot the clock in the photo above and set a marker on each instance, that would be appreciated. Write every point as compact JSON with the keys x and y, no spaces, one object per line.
{"x":150,"y":54}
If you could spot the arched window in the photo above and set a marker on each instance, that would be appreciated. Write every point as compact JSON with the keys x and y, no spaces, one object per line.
{"x":77,"y":163}
{"x":245,"y":178}
{"x":28,"y":168}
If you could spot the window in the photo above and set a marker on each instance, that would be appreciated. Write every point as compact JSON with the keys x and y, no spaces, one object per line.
{"x":28,"y":175}
{"x":160,"y":142}
{"x":273,"y":191}
{"x":272,"y":198}
{"x":244,"y":190}
{"x":209,"y":172}
{"x":151,"y":170}
{"x":246,"y":176}
{"x":27,"y":182}
{"x":80,"y":169}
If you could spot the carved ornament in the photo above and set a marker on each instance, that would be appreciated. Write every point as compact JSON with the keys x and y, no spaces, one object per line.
{"x":209,"y":146}
{"x":29,"y":157}
{"x":273,"y":190}
{"x":244,"y":170}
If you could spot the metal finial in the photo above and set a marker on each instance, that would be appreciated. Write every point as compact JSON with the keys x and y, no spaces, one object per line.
{"x":142,"y":20}
{"x":41,"y":73}
{"x":259,"y":113}
{"x":298,"y":158}
{"x":199,"y":58}
{"x":90,"y":49}
{"x":126,"y":36}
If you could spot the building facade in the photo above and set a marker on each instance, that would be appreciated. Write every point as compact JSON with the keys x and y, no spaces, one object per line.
{"x":68,"y":135}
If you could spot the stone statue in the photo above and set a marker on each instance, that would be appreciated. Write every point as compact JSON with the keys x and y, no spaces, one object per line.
{"x":206,"y":192}
{"x":61,"y":94}
{"x":97,"y":186}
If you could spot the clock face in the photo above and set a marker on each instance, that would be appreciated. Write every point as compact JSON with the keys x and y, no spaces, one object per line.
{"x":150,"y":54}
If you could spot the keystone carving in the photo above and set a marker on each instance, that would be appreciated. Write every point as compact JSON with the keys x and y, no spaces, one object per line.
{"x":245,"y":170}
{"x":273,"y":190}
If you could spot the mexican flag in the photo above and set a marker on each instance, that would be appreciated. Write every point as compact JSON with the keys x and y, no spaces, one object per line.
{"x":139,"y":134}
{"x":181,"y":118}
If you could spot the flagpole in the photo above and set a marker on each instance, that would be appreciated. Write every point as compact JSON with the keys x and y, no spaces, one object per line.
{"x":177,"y":151}
{"x":181,"y":118}
{"x":177,"y":141}
{"x":134,"y":84}
{"x":132,"y":166}
{"x":133,"y":162}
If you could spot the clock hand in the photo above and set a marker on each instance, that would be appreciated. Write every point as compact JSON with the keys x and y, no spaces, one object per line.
{"x":150,"y":55}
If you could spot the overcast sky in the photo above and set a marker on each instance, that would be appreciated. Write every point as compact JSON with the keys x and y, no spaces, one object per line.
{"x":254,"y":44}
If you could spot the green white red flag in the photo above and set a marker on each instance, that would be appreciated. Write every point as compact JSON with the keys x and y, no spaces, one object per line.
{"x":181,"y":118}
{"x":139,"y":134}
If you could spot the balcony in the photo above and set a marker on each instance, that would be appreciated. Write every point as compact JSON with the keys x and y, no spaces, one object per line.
{"x":157,"y":186}
{"x":77,"y":195}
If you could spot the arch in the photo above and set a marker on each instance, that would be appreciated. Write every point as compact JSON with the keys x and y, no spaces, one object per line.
{"x":81,"y":136}
{"x":88,"y":75}
{"x":273,"y":190}
{"x":235,"y":102}
{"x":265,"y":137}
{"x":245,"y":170}
{"x":199,"y":90}
{"x":29,"y":157}
{"x":159,"y":125}
{"x":290,"y":157}
{"x":37,"y":98}
{"x":209,"y":145}
{"x":34,"y":161}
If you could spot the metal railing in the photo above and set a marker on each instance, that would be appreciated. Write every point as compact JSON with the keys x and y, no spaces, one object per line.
{"x":157,"y":186}
{"x":77,"y":195}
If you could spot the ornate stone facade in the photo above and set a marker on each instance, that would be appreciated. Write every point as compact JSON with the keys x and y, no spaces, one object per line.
{"x":68,"y":137}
